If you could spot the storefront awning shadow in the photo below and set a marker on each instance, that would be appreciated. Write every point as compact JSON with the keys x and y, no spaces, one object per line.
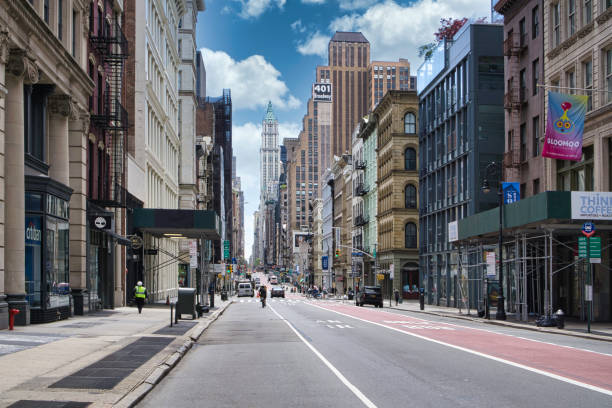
{"x":170,"y":223}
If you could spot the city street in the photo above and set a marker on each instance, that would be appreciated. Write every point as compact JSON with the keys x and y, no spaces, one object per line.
{"x":298,"y":353}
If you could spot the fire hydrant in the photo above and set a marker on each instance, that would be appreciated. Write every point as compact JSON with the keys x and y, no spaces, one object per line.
{"x":12,"y":313}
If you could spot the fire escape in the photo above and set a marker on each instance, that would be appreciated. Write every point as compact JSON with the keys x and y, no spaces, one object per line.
{"x":514,"y":99}
{"x":112,"y":46}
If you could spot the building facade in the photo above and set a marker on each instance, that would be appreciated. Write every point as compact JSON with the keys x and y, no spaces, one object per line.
{"x":43,"y":172}
{"x":398,"y":184}
{"x":461,"y":123}
{"x":384,"y":76}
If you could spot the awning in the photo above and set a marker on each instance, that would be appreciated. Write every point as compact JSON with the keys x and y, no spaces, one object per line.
{"x":177,"y":223}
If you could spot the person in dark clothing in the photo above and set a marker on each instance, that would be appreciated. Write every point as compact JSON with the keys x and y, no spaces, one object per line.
{"x":263,"y":292}
{"x":140,"y":294}
{"x":396,"y":293}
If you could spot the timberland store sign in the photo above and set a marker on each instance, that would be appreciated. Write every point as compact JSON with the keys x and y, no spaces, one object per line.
{"x":590,"y":205}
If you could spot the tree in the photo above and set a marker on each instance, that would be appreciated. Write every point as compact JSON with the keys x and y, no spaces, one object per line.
{"x":447,"y":30}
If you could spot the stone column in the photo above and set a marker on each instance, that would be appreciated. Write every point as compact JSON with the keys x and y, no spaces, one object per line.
{"x":21,"y":69}
{"x":77,"y":138}
{"x":61,"y":108}
{"x":3,"y":60}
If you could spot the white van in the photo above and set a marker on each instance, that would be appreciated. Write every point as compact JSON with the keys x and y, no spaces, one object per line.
{"x":245,"y":289}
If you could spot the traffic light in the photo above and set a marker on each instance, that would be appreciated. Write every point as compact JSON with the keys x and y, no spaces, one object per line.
{"x":228,"y":269}
{"x":337,"y":253}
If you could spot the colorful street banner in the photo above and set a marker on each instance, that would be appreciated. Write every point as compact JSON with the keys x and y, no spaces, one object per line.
{"x":565,"y":126}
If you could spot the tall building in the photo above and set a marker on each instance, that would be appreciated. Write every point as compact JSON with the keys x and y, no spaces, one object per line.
{"x":347,"y":71}
{"x":44,"y":121}
{"x":384,"y":76}
{"x":461,"y":124}
{"x":187,"y":101}
{"x":523,"y":98}
{"x":154,"y":145}
{"x":269,"y":159}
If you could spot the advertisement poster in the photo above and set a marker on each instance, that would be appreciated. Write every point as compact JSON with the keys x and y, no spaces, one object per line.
{"x":564,"y":126}
{"x":591,"y":205}
{"x":512,"y":192}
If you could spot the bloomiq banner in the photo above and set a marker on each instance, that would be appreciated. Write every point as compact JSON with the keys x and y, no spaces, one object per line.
{"x":564,"y":126}
{"x":590,"y":205}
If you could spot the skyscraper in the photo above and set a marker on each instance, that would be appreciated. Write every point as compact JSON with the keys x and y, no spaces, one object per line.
{"x":269,"y":156}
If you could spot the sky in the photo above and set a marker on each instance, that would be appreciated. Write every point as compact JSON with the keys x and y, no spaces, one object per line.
{"x":268,"y":50}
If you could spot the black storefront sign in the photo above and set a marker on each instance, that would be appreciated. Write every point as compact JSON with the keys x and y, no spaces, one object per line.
{"x":100,"y":222}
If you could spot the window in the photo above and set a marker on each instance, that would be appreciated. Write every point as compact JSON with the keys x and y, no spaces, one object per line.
{"x":556,"y":37}
{"x":35,"y":120}
{"x":410,"y":197}
{"x":60,"y":19}
{"x":46,"y":11}
{"x":535,"y":75}
{"x":588,"y":82}
{"x":411,"y":235}
{"x":535,"y":22}
{"x":410,"y":123}
{"x":571,"y":17}
{"x":522,"y":30}
{"x":587,"y":11}
{"x":609,"y":74}
{"x":410,"y":159}
{"x":536,"y":186}
{"x":576,"y":176}
{"x":535,"y":148}
{"x":180,"y":48}
{"x":571,"y":81}
{"x":74,"y":32}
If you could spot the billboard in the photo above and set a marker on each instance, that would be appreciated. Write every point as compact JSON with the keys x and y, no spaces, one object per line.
{"x":564,"y":126}
{"x":321,"y":92}
{"x":590,"y":205}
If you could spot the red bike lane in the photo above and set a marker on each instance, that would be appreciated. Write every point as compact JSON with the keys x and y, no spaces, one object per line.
{"x":584,"y":368}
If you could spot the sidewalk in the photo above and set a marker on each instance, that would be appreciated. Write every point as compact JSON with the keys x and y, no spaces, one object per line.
{"x":96,"y":359}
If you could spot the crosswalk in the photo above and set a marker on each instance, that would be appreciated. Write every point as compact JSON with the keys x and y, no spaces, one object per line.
{"x":11,"y":342}
{"x":289,"y":302}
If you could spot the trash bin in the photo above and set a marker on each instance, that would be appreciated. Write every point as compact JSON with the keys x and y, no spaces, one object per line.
{"x":224,"y":295}
{"x":186,"y":302}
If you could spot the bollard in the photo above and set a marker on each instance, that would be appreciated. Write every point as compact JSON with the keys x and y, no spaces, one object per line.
{"x":171,"y":309}
{"x":176,"y":315}
{"x":12,"y":313}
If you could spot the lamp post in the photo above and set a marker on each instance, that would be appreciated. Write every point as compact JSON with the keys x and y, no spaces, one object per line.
{"x":486,"y":188}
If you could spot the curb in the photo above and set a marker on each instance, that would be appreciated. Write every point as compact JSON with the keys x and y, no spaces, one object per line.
{"x":133,"y":397}
{"x":513,"y":325}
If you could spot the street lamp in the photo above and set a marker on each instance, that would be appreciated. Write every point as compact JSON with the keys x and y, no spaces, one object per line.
{"x":486,"y":188}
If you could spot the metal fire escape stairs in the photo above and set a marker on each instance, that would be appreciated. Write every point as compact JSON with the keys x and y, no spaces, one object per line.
{"x":111,"y":44}
{"x":515,"y":95}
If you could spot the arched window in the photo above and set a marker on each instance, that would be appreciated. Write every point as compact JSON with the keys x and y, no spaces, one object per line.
{"x":411,"y":235}
{"x":410,"y":159}
{"x":410,"y":123}
{"x":410,"y":196}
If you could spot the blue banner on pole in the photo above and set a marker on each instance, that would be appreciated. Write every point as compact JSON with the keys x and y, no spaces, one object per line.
{"x":324,"y":262}
{"x":512,"y":192}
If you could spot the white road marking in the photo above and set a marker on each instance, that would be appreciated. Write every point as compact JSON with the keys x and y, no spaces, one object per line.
{"x":477,"y":353}
{"x":330,"y":326}
{"x":329,"y":365}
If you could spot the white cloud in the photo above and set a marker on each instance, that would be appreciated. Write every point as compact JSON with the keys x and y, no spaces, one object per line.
{"x":313,"y":1}
{"x":255,"y":8}
{"x":396,"y":31}
{"x":246,"y":143}
{"x":297,"y":26}
{"x":355,"y":4}
{"x":315,"y":44}
{"x":253,"y":81}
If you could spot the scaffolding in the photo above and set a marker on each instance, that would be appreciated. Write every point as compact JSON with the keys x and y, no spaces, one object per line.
{"x":532,"y":259}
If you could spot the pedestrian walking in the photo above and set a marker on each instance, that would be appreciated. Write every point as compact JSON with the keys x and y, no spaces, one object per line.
{"x":396,"y":293}
{"x":140,"y":294}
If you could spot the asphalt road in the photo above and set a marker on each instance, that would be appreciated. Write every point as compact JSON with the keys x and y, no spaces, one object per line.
{"x":297,"y":353}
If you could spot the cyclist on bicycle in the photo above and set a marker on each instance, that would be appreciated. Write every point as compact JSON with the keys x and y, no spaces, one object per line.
{"x":262,"y":295}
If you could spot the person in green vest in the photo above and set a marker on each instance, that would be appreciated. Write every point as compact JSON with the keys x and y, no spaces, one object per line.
{"x":140,"y":294}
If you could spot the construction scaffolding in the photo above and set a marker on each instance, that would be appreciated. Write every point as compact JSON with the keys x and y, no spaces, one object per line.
{"x":533,"y":260}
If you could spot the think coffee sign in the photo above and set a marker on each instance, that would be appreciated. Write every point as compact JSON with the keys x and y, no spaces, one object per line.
{"x":590,"y":205}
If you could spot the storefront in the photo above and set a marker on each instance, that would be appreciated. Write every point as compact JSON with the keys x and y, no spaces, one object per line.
{"x":47,"y":243}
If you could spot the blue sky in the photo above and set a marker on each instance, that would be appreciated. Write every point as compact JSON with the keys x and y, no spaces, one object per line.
{"x":268,"y":50}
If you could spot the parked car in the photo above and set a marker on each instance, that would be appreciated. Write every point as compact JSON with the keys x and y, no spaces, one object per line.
{"x":370,"y":295}
{"x":277,"y":291}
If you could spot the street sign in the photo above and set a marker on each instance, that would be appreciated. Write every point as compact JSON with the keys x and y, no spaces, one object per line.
{"x":150,"y":251}
{"x":226,"y":248}
{"x":391,"y":271}
{"x":325,"y":262}
{"x":233,"y":260}
{"x":588,"y":229}
{"x":583,"y":251}
{"x":135,"y":241}
{"x":357,"y":254}
{"x":512,"y":192}
{"x":595,"y":249}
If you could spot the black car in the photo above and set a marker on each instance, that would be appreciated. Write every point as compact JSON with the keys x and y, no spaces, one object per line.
{"x":277,"y":291}
{"x":370,"y":295}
